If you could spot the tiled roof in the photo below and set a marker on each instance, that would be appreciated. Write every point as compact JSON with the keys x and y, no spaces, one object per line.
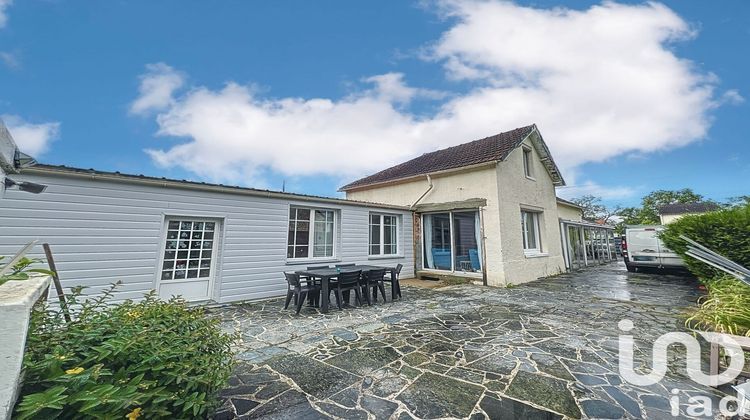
{"x":682,"y":208}
{"x":489,"y":149}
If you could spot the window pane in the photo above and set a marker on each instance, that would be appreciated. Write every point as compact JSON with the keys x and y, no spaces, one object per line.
{"x":375,"y":239}
{"x":437,"y":241}
{"x":531,"y":230}
{"x":303,"y":214}
{"x":302,"y":236}
{"x":388,"y":249}
{"x":375,"y":249}
{"x":466,"y":247}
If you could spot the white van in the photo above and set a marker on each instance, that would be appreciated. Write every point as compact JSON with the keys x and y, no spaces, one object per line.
{"x":642,"y":247}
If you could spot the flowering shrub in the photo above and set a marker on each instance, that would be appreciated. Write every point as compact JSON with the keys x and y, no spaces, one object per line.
{"x":149,"y":359}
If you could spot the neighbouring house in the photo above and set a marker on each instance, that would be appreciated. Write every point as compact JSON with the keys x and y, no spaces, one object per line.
{"x":487,"y":210}
{"x":671,"y":212}
{"x":206,"y":242}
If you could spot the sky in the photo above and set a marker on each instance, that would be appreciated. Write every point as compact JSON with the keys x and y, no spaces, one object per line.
{"x":631,"y":97}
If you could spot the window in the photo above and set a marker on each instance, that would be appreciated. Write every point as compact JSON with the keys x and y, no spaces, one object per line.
{"x":188,"y":250}
{"x":383,"y":234}
{"x":310,"y":233}
{"x":530,"y":231}
{"x":452,"y":241}
{"x":528,"y":161}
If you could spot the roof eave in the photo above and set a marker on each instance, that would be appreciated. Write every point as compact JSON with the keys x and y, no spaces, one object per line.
{"x":466,"y":168}
{"x":546,"y":157}
{"x":50,"y":170}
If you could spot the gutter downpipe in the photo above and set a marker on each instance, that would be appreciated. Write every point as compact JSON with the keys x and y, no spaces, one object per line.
{"x":418,"y":244}
{"x":429,"y":181}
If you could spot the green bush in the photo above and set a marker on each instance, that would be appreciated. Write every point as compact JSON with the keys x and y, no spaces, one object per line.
{"x":725,"y":309}
{"x":726,"y":232}
{"x":151,"y":358}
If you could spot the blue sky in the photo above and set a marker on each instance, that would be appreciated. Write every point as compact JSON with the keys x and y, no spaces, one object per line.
{"x":318,"y":93}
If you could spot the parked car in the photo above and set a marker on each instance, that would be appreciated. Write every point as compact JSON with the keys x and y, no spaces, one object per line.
{"x":642,"y":248}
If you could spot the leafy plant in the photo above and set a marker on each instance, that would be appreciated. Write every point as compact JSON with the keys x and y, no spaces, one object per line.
{"x":726,"y":308}
{"x":726,"y":232}
{"x":152,"y":358}
{"x":21,"y":270}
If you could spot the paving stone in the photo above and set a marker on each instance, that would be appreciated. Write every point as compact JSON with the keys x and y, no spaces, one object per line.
{"x":508,"y":408}
{"x":434,"y":396}
{"x":242,"y":406}
{"x":291,"y":405}
{"x":590,"y":380}
{"x":551,"y":366}
{"x":545,"y":391}
{"x":496,"y":363}
{"x":313,"y":377}
{"x":271,"y":390}
{"x":348,"y":397}
{"x":345,"y":413}
{"x":380,"y":408}
{"x":655,"y":401}
{"x":599,"y":409}
{"x":625,"y":402}
{"x":364,"y":361}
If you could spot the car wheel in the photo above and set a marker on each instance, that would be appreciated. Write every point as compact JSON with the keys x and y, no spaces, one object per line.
{"x":631,"y":268}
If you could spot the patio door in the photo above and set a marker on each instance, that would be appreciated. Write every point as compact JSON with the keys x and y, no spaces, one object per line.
{"x":452,"y":241}
{"x":188,"y":258}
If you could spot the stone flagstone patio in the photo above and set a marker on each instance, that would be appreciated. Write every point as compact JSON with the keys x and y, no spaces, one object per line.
{"x":545,"y":350}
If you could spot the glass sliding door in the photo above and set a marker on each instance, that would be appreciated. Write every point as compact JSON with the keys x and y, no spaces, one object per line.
{"x":452,"y":241}
{"x":437,"y":241}
{"x":466,"y":255}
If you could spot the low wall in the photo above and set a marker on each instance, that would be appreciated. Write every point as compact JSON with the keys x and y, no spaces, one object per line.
{"x":16,"y":301}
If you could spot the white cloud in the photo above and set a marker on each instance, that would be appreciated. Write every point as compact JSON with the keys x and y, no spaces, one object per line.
{"x":597,"y":190}
{"x":4,"y":4}
{"x":156,"y":89}
{"x":732,"y":97}
{"x":599,"y":83}
{"x":10,"y":60}
{"x":33,"y":139}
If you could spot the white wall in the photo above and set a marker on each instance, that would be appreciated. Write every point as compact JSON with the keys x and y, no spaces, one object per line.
{"x":104,"y":231}
{"x":568,"y":212}
{"x":517,"y":192}
{"x":451,"y":187}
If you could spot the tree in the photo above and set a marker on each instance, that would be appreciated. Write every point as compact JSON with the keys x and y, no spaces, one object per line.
{"x":648,"y":213}
{"x":594,"y":210}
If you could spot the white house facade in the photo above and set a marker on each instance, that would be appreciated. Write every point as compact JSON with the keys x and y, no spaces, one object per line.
{"x":208,"y":243}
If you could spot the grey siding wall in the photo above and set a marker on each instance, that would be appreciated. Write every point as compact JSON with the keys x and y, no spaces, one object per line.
{"x":102,"y":231}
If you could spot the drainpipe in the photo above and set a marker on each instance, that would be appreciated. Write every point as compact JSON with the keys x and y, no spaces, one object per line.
{"x":418,"y":243}
{"x":429,"y":181}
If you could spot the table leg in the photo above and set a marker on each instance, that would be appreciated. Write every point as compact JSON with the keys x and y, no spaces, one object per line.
{"x":324,"y":298}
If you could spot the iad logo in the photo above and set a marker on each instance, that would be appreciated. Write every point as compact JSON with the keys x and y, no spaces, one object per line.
{"x":693,"y":348}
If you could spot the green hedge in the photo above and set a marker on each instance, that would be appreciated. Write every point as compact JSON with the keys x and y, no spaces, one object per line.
{"x":726,"y":232}
{"x":148,"y":359}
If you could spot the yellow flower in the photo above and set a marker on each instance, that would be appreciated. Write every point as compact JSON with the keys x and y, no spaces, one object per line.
{"x":60,"y":357}
{"x":74,"y":371}
{"x":134,"y":414}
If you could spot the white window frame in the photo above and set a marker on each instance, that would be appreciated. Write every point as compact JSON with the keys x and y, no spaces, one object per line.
{"x":311,"y":235}
{"x":452,"y":241}
{"x":528,"y":162}
{"x":536,"y":221}
{"x":382,"y":235}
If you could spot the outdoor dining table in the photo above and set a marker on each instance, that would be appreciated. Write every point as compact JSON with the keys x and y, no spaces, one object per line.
{"x":326,"y":274}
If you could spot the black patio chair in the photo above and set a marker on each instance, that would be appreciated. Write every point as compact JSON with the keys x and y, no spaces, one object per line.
{"x":393,"y":279}
{"x":348,"y":281}
{"x":298,"y":291}
{"x":317,"y":282}
{"x":374,"y":279}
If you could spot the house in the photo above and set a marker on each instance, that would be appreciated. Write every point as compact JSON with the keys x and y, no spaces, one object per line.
{"x":206,"y":242}
{"x":487,"y":210}
{"x":672,"y":212}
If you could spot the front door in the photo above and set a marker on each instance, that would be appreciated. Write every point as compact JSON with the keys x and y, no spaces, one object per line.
{"x":188,"y":258}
